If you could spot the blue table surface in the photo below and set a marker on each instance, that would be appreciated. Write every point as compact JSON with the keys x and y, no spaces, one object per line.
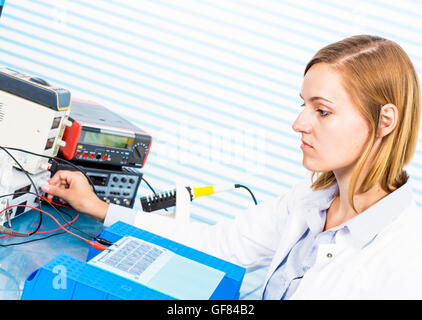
{"x":17,"y":262}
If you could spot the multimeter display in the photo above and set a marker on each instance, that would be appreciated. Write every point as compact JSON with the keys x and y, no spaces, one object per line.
{"x":108,"y":140}
{"x":98,"y":135}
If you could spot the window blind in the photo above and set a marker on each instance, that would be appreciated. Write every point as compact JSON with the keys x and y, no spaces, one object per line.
{"x":216,"y":83}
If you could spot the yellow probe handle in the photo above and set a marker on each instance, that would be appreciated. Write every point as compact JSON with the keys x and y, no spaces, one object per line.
{"x":203,"y":191}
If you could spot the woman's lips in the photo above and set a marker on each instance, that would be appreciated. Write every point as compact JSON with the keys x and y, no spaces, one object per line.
{"x":304,"y":145}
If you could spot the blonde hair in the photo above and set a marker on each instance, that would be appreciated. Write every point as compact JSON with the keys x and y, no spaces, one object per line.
{"x":376,"y":72}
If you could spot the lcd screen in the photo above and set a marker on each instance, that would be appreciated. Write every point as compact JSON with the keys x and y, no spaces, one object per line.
{"x":107,"y":140}
{"x":98,"y":180}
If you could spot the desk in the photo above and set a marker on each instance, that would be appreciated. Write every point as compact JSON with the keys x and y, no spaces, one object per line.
{"x":18,"y":262}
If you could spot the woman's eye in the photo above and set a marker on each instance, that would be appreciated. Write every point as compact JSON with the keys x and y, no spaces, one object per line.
{"x":323,"y":113}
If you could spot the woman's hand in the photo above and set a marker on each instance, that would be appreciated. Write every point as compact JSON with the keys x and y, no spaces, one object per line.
{"x":74,"y":188}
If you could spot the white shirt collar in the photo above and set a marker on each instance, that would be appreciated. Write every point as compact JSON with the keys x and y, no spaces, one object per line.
{"x":365,"y":226}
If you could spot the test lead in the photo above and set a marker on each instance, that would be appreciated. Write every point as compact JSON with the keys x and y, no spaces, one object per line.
{"x":167,"y":199}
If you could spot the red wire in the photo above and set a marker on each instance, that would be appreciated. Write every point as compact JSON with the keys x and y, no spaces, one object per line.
{"x":61,"y":205}
{"x":49,"y":231}
{"x":55,"y":220}
{"x":56,"y":204}
{"x":67,"y":223}
{"x":94,"y":244}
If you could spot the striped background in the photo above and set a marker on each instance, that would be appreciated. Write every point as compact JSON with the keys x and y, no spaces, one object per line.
{"x":215,"y":82}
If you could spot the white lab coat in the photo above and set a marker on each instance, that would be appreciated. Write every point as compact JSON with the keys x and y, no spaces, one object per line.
{"x":390,"y":267}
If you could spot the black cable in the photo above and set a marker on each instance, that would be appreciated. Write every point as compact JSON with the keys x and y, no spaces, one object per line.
{"x":33,"y":184}
{"x":245,"y":187}
{"x":29,"y":192}
{"x":25,"y":192}
{"x":76,"y":167}
{"x":59,"y":212}
{"x":54,"y":158}
{"x":32,"y":240}
{"x":99,"y":239}
{"x":70,"y":225}
{"x":12,"y":194}
{"x":151,"y":188}
{"x":43,"y":238}
{"x":236,"y":186}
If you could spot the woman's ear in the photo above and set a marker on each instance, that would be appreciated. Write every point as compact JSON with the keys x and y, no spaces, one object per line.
{"x":388,"y":119}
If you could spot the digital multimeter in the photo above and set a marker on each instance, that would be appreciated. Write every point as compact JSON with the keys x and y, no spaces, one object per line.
{"x":98,"y":135}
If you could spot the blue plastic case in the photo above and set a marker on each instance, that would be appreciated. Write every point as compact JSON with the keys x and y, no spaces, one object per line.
{"x":68,"y":278}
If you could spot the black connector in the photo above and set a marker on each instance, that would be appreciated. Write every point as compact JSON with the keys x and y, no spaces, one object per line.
{"x":159,"y":201}
{"x":103,"y":241}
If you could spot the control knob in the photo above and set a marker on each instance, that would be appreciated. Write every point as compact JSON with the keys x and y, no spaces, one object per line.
{"x":138,"y":154}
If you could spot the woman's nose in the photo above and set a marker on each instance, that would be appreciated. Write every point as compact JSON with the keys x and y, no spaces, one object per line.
{"x":301,"y":123}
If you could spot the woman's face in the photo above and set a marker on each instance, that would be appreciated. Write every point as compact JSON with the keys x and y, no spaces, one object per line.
{"x":333,"y":132}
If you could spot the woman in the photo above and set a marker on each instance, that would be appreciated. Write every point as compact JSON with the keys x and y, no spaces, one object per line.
{"x":354,"y":230}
